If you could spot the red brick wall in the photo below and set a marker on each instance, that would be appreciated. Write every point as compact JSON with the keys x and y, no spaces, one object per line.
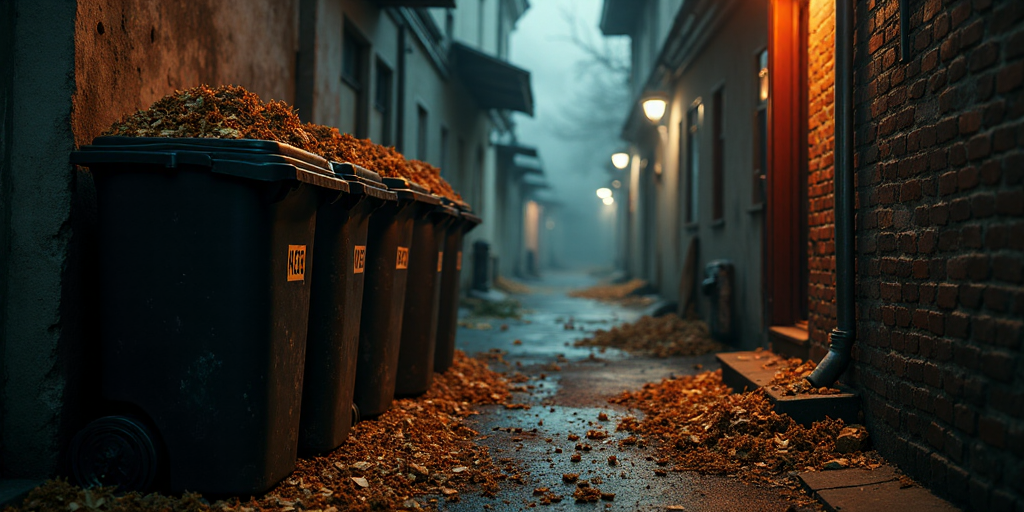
{"x":941,"y":244}
{"x":821,"y":265}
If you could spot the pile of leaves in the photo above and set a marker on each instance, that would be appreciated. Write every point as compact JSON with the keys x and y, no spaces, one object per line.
{"x":663,"y":336}
{"x":610,"y":292}
{"x":714,"y":431}
{"x":511,"y":286}
{"x":231,"y":112}
{"x":420,"y":447}
{"x":791,"y":378}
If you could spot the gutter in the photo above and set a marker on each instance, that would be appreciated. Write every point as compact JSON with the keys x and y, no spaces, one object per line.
{"x":842,"y":338}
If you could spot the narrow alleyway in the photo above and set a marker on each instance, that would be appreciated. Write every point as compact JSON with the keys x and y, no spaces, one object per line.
{"x":567,"y":388}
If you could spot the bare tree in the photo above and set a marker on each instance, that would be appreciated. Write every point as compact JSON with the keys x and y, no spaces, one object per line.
{"x":594,"y":121}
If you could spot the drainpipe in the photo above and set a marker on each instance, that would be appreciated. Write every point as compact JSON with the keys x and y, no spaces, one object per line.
{"x":838,"y":358}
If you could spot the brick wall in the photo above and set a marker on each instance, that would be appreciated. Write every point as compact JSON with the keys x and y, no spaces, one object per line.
{"x":821,"y":265}
{"x":941,"y":244}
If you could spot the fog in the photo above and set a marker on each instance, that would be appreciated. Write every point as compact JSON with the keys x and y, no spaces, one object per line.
{"x":574,"y":134}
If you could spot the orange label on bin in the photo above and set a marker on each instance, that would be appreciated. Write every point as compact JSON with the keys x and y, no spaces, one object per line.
{"x":296,"y":262}
{"x":458,"y":261}
{"x":359,"y":259}
{"x":403,"y":258}
{"x":440,"y":260}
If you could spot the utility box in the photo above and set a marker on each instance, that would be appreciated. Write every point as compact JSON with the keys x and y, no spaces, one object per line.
{"x":718,"y":285}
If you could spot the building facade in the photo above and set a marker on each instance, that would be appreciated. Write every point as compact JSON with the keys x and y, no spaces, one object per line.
{"x":426,"y":77}
{"x":932,"y":150}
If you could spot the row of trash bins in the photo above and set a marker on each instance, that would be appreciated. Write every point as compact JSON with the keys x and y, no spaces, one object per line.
{"x":255,"y":300}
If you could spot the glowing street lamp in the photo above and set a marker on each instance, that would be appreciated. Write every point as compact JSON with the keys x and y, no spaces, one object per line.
{"x":654,"y":107}
{"x":604,"y":193}
{"x":620,"y":160}
{"x":608,"y":200}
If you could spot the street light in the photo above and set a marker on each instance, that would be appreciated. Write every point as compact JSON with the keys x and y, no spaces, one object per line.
{"x":654,"y":107}
{"x":617,"y":184}
{"x":608,"y":200}
{"x":604,"y":193}
{"x":620,"y":160}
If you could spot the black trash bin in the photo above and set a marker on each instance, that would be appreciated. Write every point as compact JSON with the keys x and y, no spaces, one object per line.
{"x":422,"y":296}
{"x":387,"y":267}
{"x":205,"y":258}
{"x":335,"y":307}
{"x":448,"y":316}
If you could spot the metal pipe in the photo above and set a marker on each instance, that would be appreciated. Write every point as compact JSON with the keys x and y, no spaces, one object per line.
{"x":839,"y":353}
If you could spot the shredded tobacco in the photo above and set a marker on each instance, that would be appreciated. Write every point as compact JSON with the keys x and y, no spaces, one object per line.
{"x":231,"y":112}
{"x":421,"y":447}
{"x":716,"y":432}
{"x":663,"y":336}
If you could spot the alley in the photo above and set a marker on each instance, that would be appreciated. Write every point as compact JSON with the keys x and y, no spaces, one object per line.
{"x":567,"y":388}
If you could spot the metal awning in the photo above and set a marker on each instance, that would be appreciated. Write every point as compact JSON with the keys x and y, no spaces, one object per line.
{"x":527,"y":164}
{"x":618,"y":17}
{"x":493,"y":82}
{"x":535,"y":181}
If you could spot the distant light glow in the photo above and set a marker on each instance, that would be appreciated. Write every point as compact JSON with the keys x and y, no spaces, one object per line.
{"x":604,"y":193}
{"x":608,"y":200}
{"x":620,"y":160}
{"x":616,"y":184}
{"x":654,"y":108}
{"x":550,"y":224}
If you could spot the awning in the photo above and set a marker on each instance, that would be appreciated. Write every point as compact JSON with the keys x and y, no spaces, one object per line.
{"x":493,"y":82}
{"x":527,"y":164}
{"x":535,"y":181}
{"x":618,"y":17}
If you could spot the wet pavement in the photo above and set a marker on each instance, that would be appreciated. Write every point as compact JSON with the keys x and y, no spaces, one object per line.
{"x":567,"y":389}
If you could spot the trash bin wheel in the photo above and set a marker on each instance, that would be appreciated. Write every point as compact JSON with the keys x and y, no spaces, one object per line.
{"x":115,"y":450}
{"x":355,"y":414}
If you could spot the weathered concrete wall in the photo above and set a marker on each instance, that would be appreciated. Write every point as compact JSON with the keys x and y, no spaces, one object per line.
{"x":38,"y":189}
{"x":130,"y":53}
{"x":78,"y":68}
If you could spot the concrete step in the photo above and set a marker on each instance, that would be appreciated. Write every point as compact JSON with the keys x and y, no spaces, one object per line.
{"x":746,"y":371}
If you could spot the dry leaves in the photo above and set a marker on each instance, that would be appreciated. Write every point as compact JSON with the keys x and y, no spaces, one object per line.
{"x":791,"y":377}
{"x":419,"y":447}
{"x":663,"y":336}
{"x":231,"y":112}
{"x":715,"y":431}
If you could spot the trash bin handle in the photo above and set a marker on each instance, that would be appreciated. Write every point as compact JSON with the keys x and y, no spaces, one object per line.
{"x":169,"y":160}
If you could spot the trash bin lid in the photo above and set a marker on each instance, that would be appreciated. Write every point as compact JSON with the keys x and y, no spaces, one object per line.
{"x":261,"y":160}
{"x":409,"y":191}
{"x":363,"y":181}
{"x":351,"y":169}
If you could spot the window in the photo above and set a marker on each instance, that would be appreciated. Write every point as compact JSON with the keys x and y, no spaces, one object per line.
{"x":693,"y":159}
{"x":421,"y":134}
{"x":383,"y":100}
{"x":718,"y":156}
{"x":761,"y":129}
{"x":444,"y":152}
{"x":354,"y":72}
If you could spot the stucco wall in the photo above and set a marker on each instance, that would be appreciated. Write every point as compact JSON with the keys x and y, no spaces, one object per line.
{"x":738,"y":237}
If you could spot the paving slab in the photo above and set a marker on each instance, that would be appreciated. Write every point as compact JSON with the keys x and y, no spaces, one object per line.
{"x":853,"y":477}
{"x":884,"y":496}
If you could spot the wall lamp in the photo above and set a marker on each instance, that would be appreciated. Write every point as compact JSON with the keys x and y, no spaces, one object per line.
{"x":620,"y":160}
{"x":654,"y":105}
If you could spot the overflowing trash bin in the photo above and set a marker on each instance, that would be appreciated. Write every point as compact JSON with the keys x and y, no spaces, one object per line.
{"x":448,"y":314}
{"x":422,"y":297}
{"x":205,"y":270}
{"x":387,"y":267}
{"x":335,"y":309}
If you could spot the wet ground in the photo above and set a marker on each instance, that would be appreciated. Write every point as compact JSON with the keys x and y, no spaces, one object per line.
{"x":566,"y":389}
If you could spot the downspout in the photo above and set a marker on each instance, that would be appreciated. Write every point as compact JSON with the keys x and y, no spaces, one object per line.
{"x":839,"y":353}
{"x":399,"y":139}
